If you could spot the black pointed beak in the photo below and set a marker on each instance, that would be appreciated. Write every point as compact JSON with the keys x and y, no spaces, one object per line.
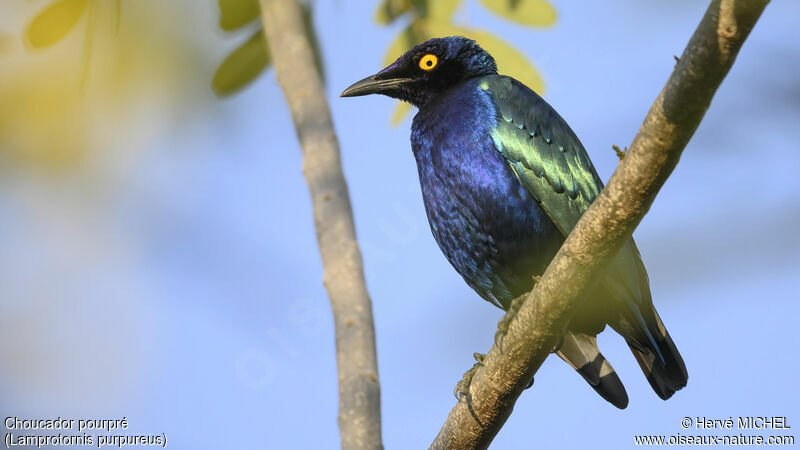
{"x":371,"y":85}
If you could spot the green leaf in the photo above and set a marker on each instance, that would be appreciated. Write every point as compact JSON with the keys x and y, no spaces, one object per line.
{"x":389,"y":10}
{"x":413,"y":34}
{"x":311,"y":34}
{"x":421,"y":6}
{"x":242,"y":66}
{"x":54,"y":22}
{"x":237,"y":13}
{"x":535,"y":13}
{"x":442,"y":9}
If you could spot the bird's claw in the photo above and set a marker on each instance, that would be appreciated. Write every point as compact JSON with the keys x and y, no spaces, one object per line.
{"x":505,"y":321}
{"x":462,"y":387}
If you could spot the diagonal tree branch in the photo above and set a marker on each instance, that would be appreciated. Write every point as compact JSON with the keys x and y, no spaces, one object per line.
{"x":604,"y":227}
{"x":359,"y":390}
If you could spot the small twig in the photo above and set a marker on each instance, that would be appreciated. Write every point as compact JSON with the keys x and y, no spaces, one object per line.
{"x":620,"y":153}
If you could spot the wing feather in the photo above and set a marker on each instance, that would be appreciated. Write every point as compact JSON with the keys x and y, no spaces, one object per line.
{"x":543,"y":151}
{"x":550,"y":161}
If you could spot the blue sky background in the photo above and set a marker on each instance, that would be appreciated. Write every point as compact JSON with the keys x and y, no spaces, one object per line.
{"x":178,"y":283}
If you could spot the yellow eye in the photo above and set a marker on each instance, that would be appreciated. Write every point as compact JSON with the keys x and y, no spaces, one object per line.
{"x":428,"y":62}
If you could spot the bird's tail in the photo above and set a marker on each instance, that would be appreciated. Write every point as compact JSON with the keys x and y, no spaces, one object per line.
{"x":658,"y":357}
{"x":637,"y":321}
{"x":580,"y":351}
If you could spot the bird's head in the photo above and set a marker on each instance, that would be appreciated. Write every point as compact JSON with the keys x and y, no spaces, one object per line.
{"x":427,"y":70}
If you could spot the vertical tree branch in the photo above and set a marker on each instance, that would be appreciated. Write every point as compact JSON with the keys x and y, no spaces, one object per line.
{"x":359,"y":390}
{"x":604,"y":227}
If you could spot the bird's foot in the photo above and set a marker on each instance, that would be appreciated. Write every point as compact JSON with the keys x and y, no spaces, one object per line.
{"x":462,"y":387}
{"x":505,"y":321}
{"x":620,"y":153}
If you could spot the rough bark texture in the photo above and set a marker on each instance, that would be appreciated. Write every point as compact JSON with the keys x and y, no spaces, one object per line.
{"x":605,"y":226}
{"x":359,"y":390}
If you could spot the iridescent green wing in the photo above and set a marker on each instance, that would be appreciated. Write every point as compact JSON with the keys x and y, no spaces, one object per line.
{"x":543,"y":151}
{"x":550,"y":161}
